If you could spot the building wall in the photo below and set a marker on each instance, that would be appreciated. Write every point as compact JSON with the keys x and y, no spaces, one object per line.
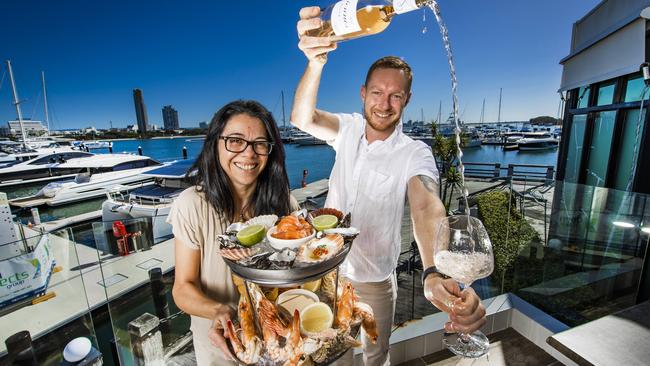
{"x":140,"y":110}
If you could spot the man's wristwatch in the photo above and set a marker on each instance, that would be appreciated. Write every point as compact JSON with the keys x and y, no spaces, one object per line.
{"x":431,"y":270}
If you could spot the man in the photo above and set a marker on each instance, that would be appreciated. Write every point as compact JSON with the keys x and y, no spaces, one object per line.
{"x":376,"y":167}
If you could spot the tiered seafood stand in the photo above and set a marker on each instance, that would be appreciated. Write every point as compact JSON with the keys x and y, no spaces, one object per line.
{"x":272,"y":267}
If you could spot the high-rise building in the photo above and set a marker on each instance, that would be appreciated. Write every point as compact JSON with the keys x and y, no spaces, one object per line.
{"x":140,"y":111}
{"x":170,"y":118}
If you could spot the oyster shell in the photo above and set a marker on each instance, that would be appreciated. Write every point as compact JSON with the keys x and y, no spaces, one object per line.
{"x":282,"y":259}
{"x":235,"y":227}
{"x":345,"y":231}
{"x":318,"y":250}
{"x":300,"y":213}
{"x":267,"y":220}
{"x":237,"y":254}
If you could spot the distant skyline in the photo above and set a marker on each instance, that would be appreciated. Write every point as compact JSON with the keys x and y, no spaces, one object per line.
{"x":197,"y":56}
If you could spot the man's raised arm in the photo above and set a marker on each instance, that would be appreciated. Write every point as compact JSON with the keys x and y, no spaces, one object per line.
{"x":304,"y":115}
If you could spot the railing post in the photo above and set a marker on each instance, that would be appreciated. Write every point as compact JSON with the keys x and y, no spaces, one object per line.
{"x":511,"y":170}
{"x":549,"y":173}
{"x":146,"y":341}
{"x":497,"y":170}
{"x":20,"y":350}
{"x":158,"y":292}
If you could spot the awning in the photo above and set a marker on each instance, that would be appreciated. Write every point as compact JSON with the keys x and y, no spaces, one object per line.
{"x":620,"y":53}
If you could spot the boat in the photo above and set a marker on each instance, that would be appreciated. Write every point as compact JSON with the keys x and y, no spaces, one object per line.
{"x":92,"y":145}
{"x":307,"y":140}
{"x":99,"y":175}
{"x":41,"y":168}
{"x":154,"y":200}
{"x":537,"y":143}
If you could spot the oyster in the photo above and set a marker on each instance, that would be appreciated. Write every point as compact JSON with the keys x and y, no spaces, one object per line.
{"x":318,"y":250}
{"x":235,"y":227}
{"x":345,"y":231}
{"x":282,"y":259}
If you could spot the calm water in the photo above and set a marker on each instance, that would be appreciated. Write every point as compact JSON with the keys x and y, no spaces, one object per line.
{"x":318,"y":160}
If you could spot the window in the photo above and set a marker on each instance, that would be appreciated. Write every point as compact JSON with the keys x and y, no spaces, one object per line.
{"x":601,"y":143}
{"x":606,"y":93}
{"x":634,"y":88}
{"x":629,"y":142}
{"x":574,"y":151}
{"x":583,"y":97}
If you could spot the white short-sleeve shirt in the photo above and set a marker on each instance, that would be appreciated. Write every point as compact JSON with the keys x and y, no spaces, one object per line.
{"x":370,"y":181}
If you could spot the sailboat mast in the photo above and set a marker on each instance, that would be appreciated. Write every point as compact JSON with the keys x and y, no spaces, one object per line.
{"x":47,"y":116}
{"x":483,"y":111}
{"x":499,"y":117}
{"x":439,"y":112}
{"x":17,"y":103}
{"x":284,"y":121}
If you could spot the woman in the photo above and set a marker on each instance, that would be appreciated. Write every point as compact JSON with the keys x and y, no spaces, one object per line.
{"x":240,"y":174}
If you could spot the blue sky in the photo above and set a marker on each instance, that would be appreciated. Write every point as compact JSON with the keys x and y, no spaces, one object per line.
{"x":198,"y":55}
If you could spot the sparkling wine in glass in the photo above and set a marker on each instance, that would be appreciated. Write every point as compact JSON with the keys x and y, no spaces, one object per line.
{"x":463,"y":251}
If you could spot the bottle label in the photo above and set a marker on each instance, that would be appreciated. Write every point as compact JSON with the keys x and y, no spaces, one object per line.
{"x":344,"y":17}
{"x":403,"y":6}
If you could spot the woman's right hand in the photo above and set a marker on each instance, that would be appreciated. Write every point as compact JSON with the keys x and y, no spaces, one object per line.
{"x":218,"y":331}
{"x":314,"y":48}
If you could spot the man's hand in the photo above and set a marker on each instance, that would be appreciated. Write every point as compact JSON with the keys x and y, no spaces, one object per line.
{"x":465,"y":310}
{"x":314,"y":48}
{"x":218,"y":331}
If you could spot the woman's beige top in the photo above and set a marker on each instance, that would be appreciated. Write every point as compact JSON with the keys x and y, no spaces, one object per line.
{"x":196,"y":224}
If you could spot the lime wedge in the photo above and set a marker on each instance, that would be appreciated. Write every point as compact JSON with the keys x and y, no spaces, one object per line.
{"x":251,"y":235}
{"x":323,"y":222}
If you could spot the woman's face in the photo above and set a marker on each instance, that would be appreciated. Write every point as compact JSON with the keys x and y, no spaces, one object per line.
{"x":244,"y":167}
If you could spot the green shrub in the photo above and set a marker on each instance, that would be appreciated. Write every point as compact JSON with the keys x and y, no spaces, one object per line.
{"x":508,"y":230}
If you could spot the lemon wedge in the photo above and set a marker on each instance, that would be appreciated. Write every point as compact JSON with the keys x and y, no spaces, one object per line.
{"x":312,"y":286}
{"x":315,"y":318}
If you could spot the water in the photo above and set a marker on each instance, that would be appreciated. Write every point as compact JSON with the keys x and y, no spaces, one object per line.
{"x":454,"y":86}
{"x":464,"y":267}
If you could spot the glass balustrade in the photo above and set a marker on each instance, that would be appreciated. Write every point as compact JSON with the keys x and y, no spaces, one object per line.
{"x":574,"y":251}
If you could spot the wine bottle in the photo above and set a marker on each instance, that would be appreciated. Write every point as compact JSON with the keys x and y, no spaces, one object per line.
{"x":349,"y":19}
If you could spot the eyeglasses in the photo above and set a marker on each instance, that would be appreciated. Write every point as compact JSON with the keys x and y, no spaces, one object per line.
{"x":238,"y":144}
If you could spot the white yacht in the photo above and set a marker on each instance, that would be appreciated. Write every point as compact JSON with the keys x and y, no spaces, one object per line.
{"x":97,"y":176}
{"x":43,"y":167}
{"x":152,"y":200}
{"x":92,"y":145}
{"x":534,"y":141}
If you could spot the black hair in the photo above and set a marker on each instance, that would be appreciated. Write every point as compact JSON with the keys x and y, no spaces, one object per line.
{"x":271,"y":194}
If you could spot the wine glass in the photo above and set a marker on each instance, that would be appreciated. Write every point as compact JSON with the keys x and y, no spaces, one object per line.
{"x":463,"y":251}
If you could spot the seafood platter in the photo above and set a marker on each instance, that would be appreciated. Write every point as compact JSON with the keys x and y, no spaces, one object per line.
{"x":299,"y":327}
{"x":295,"y":249}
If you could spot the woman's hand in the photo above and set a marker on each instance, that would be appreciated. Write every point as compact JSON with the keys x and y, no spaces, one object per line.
{"x":465,"y":310}
{"x":218,"y":331}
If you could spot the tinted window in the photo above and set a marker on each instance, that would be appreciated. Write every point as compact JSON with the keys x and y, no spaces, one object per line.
{"x":601,"y":143}
{"x":606,"y":94}
{"x":634,"y":88}
{"x":632,"y":133}
{"x":574,"y":151}
{"x":583,"y":97}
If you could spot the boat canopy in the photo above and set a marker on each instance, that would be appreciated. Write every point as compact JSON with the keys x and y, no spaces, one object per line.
{"x":177,"y":169}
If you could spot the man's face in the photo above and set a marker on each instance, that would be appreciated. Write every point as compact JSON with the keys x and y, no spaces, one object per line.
{"x":384,"y":99}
